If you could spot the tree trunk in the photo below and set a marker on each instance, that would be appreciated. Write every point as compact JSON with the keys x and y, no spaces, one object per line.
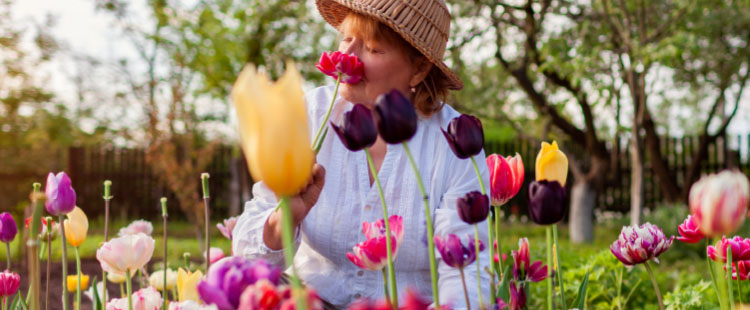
{"x":582,"y":200}
{"x":636,"y":174}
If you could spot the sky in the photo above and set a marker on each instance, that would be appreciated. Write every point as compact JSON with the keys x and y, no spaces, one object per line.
{"x":86,"y":31}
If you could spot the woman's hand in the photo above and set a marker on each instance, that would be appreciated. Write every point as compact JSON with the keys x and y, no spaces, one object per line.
{"x":300,"y":205}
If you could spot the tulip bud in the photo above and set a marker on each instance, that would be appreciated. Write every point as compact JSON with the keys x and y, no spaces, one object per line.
{"x":465,"y":136}
{"x":76,"y":227}
{"x":718,"y":202}
{"x":8,"y":228}
{"x":358,"y":130}
{"x":61,"y":197}
{"x":72,"y":282}
{"x":506,"y":177}
{"x":546,"y":202}
{"x":397,"y":119}
{"x":551,"y":164}
{"x":473,"y":208}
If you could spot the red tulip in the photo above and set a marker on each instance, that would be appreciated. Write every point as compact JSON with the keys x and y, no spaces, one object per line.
{"x":349,"y":66}
{"x":506,"y":177}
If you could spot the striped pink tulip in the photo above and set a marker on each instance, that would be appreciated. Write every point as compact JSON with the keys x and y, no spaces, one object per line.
{"x":637,"y":245}
{"x":9,"y":282}
{"x":718,"y":202}
{"x":506,"y":177}
{"x":371,"y":254}
{"x":740,"y":249}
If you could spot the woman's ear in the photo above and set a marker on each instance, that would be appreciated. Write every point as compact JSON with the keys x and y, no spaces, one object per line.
{"x":422,"y":68}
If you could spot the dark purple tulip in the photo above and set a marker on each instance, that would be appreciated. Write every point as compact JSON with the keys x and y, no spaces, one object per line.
{"x":397,"y":119}
{"x":358,"y":130}
{"x":546,"y":202}
{"x":473,"y":208}
{"x":456,"y":254}
{"x":8,"y":228}
{"x":227,"y":279}
{"x":465,"y":136}
{"x":61,"y":197}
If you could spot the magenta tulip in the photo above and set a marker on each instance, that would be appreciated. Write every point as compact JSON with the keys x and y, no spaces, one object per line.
{"x":523,"y":269}
{"x":371,"y":254}
{"x":689,"y":231}
{"x":227,"y":279}
{"x":637,"y":245}
{"x":740,"y":249}
{"x":454,"y":253}
{"x":61,"y":197}
{"x":9,"y":282}
{"x":8,"y":228}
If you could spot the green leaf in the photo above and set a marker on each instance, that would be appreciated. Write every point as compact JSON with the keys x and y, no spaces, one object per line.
{"x":581,"y":299}
{"x":504,"y":290}
{"x":97,"y":303}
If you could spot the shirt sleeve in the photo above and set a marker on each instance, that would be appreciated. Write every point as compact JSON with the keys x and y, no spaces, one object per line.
{"x":248,"y":232}
{"x":463,"y":180}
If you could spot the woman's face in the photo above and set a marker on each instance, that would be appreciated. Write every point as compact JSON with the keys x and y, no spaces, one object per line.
{"x":386,"y":67}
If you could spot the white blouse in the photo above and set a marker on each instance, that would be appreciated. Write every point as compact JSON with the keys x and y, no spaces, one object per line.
{"x":334,"y":225}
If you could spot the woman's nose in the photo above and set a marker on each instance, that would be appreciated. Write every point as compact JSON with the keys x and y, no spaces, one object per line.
{"x":352,"y":47}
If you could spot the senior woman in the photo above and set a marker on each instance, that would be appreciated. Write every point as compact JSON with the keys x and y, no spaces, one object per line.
{"x":401,"y":43}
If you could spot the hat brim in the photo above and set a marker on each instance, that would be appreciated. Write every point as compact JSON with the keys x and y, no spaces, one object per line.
{"x":335,"y":11}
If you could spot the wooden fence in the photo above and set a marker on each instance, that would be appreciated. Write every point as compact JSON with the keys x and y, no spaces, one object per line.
{"x":137,"y":190}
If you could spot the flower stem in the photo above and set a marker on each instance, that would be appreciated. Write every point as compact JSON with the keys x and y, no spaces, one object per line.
{"x":730,"y":292}
{"x":206,"y":198}
{"x":385,"y":284}
{"x":656,"y":285}
{"x":490,"y":234}
{"x":164,"y":216}
{"x":498,"y":218}
{"x":49,"y":258}
{"x":122,"y":291}
{"x":430,"y":233}
{"x":388,"y":240}
{"x":64,"y":261}
{"x":479,"y":279}
{"x":129,"y":288}
{"x":739,"y":289}
{"x":286,"y":236}
{"x":558,"y":271}
{"x":466,"y":292}
{"x":476,"y":236}
{"x":713,"y":279}
{"x":328,"y":114}
{"x":550,"y":281}
{"x":107,"y":197}
{"x":479,"y":175}
{"x":7,"y":253}
{"x":78,"y":286}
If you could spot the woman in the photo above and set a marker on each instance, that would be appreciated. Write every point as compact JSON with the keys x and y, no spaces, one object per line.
{"x":401,"y":44}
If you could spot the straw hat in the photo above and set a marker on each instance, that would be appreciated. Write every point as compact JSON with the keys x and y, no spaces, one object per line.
{"x":425,"y":24}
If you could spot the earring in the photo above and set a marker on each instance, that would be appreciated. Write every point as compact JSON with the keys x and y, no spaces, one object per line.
{"x":413,"y":90}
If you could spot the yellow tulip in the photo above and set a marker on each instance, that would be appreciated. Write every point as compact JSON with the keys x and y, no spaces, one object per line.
{"x":187,"y":285}
{"x":76,"y":227}
{"x":72,"y":281}
{"x":551,"y":164}
{"x":273,"y":129}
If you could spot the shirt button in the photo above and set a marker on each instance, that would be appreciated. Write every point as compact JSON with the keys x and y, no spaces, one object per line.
{"x":357,"y":295}
{"x":368,"y":207}
{"x":360,"y":273}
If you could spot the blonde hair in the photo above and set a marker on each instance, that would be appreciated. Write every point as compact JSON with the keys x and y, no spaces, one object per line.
{"x":429,"y":95}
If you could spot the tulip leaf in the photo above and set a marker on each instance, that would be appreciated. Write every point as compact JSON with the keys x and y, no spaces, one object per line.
{"x":18,"y":303}
{"x":97,"y":300}
{"x":504,"y":289}
{"x":581,"y":299}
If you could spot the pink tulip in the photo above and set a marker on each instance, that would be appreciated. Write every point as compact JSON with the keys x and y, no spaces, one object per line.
{"x":637,"y":245}
{"x":349,"y":66}
{"x":126,"y":253}
{"x":689,"y":232}
{"x":372,"y":253}
{"x":523,"y":269}
{"x":743,"y":267}
{"x":9,"y":282}
{"x":139,"y":226}
{"x":189,"y":305}
{"x":144,"y":299}
{"x":718,"y":202}
{"x":740,"y":249}
{"x":228,"y":226}
{"x":506,"y":177}
{"x":216,"y":255}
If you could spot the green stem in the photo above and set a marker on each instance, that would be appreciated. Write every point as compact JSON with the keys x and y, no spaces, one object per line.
{"x":498,"y":218}
{"x":479,"y":279}
{"x":730,"y":292}
{"x":388,"y":241}
{"x":328,"y":114}
{"x":479,"y":175}
{"x":558,"y":272}
{"x":7,"y":253}
{"x":129,"y":288}
{"x":49,"y":258}
{"x":64,"y":261}
{"x":490,"y":235}
{"x":619,"y":287}
{"x":122,"y":291}
{"x":466,"y":292}
{"x":208,"y":236}
{"x":656,"y":285}
{"x":550,"y":283}
{"x":288,"y":240}
{"x":385,"y":284}
{"x":164,"y":288}
{"x":491,"y":244}
{"x":430,"y":233}
{"x":78,"y":286}
{"x":714,"y":282}
{"x":739,"y":290}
